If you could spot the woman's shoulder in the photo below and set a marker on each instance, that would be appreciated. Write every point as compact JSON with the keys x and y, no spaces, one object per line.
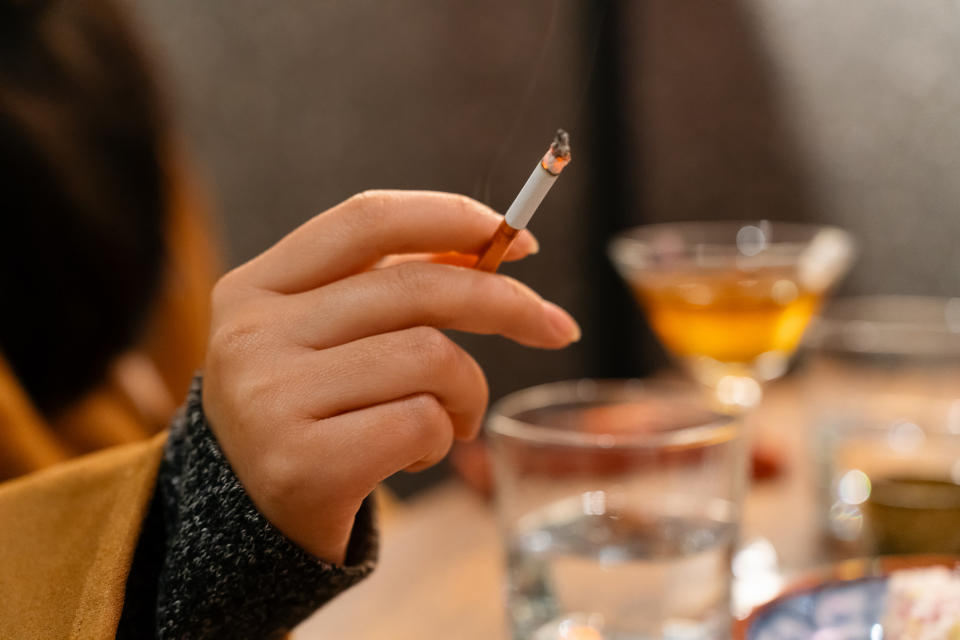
{"x":68,"y":536}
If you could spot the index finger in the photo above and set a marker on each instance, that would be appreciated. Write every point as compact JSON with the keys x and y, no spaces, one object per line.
{"x":352,"y":236}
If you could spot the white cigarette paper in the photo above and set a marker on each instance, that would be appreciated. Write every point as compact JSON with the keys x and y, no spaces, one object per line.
{"x":530,"y":197}
{"x":539,"y":183}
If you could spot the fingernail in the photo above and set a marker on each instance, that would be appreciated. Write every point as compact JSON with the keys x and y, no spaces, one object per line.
{"x":563,"y":325}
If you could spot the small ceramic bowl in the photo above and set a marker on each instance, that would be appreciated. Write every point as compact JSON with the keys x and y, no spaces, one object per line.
{"x":842,"y":602}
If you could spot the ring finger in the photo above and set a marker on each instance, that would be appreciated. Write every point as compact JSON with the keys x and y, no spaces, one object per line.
{"x":388,"y":366}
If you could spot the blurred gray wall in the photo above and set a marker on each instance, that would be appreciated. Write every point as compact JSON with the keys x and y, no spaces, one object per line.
{"x":875,"y":93}
{"x":846,"y":112}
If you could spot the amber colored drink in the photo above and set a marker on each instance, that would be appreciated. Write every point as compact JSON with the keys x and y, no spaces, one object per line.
{"x":915,"y":515}
{"x":727,"y":314}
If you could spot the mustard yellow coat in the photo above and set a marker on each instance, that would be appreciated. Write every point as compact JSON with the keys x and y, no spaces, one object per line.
{"x":67,"y":540}
{"x":69,"y":525}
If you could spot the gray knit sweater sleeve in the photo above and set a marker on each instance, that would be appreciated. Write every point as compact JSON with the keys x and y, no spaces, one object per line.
{"x":223,"y":571}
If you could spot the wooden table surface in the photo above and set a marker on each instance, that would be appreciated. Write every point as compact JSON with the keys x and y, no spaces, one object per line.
{"x":440,"y":567}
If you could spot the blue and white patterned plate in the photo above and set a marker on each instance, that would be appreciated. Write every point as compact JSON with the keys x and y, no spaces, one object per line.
{"x":834,"y":611}
{"x":842,"y":602}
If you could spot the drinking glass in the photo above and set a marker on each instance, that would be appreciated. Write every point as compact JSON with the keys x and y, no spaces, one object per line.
{"x":731,"y":300}
{"x":883,"y":387}
{"x":619,"y":504}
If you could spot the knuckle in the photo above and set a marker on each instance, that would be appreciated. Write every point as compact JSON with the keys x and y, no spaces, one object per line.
{"x":506,"y":301}
{"x":484,"y":287}
{"x":366,"y":195}
{"x":415,"y":278}
{"x":431,"y":425}
{"x":232,"y":290}
{"x":257,"y":400}
{"x":259,"y":394}
{"x":525,"y":304}
{"x":501,"y":288}
{"x":370,"y":206}
{"x":224,"y":290}
{"x":239,"y":335}
{"x":427,"y":412}
{"x":518,"y":292}
{"x":436,"y":349}
{"x":464,"y":204}
{"x":360,"y":198}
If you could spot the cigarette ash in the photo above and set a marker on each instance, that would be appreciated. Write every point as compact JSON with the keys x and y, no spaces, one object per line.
{"x":560,"y":147}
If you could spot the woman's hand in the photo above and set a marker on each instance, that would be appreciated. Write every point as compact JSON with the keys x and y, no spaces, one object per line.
{"x":326,"y":371}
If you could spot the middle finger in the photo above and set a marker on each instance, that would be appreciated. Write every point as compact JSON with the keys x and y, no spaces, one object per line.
{"x":394,"y":365}
{"x":413,"y":294}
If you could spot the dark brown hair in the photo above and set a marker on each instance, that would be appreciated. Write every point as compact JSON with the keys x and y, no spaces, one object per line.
{"x":82,"y":192}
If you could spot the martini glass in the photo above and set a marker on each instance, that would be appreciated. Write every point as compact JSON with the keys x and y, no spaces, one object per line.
{"x":731,"y":300}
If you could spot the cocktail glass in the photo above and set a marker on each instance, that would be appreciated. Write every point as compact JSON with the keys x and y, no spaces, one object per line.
{"x":731,"y":300}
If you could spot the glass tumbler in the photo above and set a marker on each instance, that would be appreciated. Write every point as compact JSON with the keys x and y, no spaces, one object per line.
{"x":619,"y":504}
{"x":882,"y":380}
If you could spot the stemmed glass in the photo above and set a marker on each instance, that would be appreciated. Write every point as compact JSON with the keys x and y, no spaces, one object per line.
{"x":731,"y":300}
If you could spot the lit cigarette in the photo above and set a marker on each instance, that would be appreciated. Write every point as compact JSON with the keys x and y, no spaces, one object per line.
{"x":525,"y":205}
